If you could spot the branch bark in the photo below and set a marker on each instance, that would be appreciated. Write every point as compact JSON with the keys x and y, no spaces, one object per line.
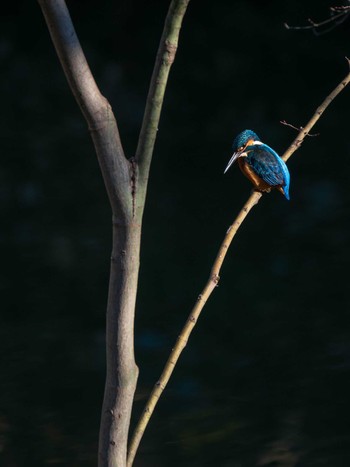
{"x":165,"y":58}
{"x":213,"y":281}
{"x":95,"y":107}
{"x":126,"y":185}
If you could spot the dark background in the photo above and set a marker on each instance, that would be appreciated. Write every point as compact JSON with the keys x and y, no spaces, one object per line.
{"x":264,"y":380}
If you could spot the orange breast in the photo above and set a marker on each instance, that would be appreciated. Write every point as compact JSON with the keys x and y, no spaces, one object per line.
{"x":252,"y":176}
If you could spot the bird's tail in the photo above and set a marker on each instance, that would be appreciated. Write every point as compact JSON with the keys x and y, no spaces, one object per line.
{"x":284,"y":190}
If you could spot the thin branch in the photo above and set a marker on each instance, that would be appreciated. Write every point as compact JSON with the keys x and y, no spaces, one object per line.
{"x":186,"y":331}
{"x":165,"y":58}
{"x":319,"y":111}
{"x":94,"y":106}
{"x":212,"y":283}
{"x":333,"y":21}
{"x":297,"y":129}
{"x":340,"y":8}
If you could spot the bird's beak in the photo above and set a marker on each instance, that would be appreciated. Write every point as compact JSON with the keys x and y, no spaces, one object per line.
{"x":234,"y":157}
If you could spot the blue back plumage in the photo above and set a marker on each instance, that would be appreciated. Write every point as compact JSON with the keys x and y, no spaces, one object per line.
{"x":267,"y":164}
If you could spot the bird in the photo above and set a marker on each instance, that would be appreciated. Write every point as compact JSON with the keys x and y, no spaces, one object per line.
{"x":260,"y":163}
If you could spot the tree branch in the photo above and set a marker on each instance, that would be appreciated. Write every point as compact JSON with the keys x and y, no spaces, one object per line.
{"x":165,"y":58}
{"x":95,"y":107}
{"x":72,"y":58}
{"x":339,"y":15}
{"x":319,"y":111}
{"x":298,"y":129}
{"x":212,"y":283}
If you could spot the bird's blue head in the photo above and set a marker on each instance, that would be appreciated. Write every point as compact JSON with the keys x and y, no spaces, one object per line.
{"x":244,"y":139}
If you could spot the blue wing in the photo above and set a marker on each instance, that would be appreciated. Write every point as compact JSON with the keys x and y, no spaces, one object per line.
{"x":267,"y":164}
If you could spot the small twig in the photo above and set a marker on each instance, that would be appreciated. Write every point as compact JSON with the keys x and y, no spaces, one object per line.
{"x":334,"y":21}
{"x":212,"y":283}
{"x":297,"y":128}
{"x":340,"y":8}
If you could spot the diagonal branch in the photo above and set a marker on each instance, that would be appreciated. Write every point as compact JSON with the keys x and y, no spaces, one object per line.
{"x":72,"y":57}
{"x":319,"y":111}
{"x":213,"y":281}
{"x":95,"y":108}
{"x":165,"y":58}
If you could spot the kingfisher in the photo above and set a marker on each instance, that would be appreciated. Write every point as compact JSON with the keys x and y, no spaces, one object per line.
{"x":260,"y":163}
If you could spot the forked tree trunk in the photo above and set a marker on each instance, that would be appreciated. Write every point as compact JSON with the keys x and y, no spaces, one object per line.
{"x":126,"y":185}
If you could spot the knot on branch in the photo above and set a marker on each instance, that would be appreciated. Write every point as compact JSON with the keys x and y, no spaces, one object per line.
{"x":160,"y":385}
{"x":215,"y":278}
{"x":171,"y":52}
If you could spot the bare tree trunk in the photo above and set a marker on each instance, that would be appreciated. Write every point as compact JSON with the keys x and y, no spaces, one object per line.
{"x":122,"y":372}
{"x":126,"y":185}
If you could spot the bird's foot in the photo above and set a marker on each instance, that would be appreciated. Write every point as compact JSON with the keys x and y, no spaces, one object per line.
{"x":262,"y":190}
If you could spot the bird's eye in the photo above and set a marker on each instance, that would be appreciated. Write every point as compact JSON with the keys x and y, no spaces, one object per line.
{"x":240,"y":148}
